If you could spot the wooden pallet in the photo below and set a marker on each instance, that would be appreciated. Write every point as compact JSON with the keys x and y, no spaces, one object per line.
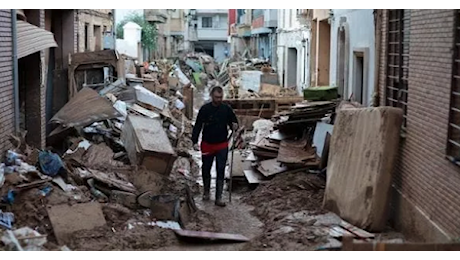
{"x":262,"y":107}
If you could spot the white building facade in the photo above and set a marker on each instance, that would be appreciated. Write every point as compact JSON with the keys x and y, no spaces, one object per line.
{"x":293,"y":50}
{"x":207,"y":31}
{"x":130,"y":44}
{"x":352,"y":62}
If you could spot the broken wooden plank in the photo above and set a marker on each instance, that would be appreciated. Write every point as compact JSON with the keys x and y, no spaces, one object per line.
{"x":355,"y":230}
{"x":251,"y":157}
{"x":142,"y":111}
{"x":32,"y":184}
{"x":271,"y":167}
{"x":210,"y":236}
{"x":264,"y":153}
{"x":254,"y":177}
{"x":278,"y":136}
{"x":111,"y":181}
{"x":265,"y":144}
{"x":67,"y":219}
{"x":296,"y":152}
{"x":339,"y":232}
{"x":85,"y":108}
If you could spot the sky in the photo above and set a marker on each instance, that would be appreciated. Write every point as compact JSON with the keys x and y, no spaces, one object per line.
{"x":121,"y":13}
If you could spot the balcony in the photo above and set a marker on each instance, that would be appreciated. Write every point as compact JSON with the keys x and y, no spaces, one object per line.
{"x":212,"y":11}
{"x":244,"y":30}
{"x":271,"y":18}
{"x":156,"y":15}
{"x":212,"y":34}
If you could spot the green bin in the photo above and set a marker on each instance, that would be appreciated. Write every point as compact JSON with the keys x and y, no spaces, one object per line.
{"x":322,"y":93}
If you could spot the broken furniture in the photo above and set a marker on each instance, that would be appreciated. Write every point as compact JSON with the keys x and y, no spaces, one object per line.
{"x":261,"y":107}
{"x":85,"y":108}
{"x":94,"y":69}
{"x":147,"y":144}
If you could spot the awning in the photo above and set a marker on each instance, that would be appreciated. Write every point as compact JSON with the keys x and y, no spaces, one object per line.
{"x":32,"y":39}
{"x":261,"y":30}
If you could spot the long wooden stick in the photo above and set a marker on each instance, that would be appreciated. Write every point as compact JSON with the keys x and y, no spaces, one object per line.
{"x":231,"y":168}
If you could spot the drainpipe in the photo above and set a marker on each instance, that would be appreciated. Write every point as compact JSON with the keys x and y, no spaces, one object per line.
{"x":15,"y":71}
{"x":304,"y":63}
{"x":114,"y":27}
{"x":377,"y":33}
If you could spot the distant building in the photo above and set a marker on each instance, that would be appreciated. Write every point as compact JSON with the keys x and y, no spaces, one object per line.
{"x":242,"y":45}
{"x":170,"y":24}
{"x":93,"y":24}
{"x":130,"y":45}
{"x":320,"y":48}
{"x":263,"y":31}
{"x":352,"y":62}
{"x":208,"y":32}
{"x":294,"y":42}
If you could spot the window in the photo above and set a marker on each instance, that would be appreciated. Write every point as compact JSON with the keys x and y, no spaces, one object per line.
{"x":86,"y":37}
{"x":396,"y":90}
{"x":97,"y":37}
{"x":453,"y":142}
{"x":206,"y":22}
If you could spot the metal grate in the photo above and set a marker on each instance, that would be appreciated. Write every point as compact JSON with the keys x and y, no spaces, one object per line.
{"x":398,"y":60}
{"x":453,"y":144}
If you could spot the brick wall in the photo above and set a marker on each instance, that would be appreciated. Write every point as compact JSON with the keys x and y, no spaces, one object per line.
{"x":426,"y":184}
{"x":91,"y":17}
{"x":6,"y":81}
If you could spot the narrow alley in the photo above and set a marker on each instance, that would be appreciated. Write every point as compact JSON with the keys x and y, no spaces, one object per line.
{"x":322,"y":139}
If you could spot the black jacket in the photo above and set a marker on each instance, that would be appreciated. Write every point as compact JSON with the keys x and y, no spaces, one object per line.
{"x":213,"y":121}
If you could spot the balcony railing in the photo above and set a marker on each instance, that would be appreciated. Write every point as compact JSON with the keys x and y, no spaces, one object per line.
{"x":212,"y":11}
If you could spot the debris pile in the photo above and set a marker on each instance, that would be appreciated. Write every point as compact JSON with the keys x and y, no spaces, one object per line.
{"x":120,"y":163}
{"x":291,"y":141}
{"x":290,"y":156}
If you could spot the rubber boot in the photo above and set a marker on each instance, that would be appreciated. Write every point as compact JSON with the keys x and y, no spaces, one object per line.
{"x":219,"y":190}
{"x":207,"y":189}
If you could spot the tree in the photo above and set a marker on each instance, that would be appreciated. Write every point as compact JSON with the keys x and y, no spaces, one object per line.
{"x":148,"y":33}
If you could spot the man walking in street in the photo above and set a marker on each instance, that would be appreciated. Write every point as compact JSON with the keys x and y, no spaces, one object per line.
{"x":214,"y":119}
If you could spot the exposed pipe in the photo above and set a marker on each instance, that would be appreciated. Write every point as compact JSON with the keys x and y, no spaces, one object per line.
{"x":378,"y":43}
{"x":304,"y":63}
{"x":114,"y":27}
{"x":15,"y":71}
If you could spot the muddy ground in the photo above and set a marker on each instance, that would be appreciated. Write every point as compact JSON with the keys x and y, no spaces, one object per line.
{"x":276,"y":215}
{"x":274,"y":201}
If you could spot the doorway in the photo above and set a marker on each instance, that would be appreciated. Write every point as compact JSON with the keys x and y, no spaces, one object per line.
{"x":291,"y":67}
{"x":324,"y":53}
{"x":61,"y":24}
{"x":97,"y":37}
{"x":360,"y":75}
{"x":359,"y":80}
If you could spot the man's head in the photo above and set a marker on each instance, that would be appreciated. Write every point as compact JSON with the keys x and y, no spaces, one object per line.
{"x":217,"y":95}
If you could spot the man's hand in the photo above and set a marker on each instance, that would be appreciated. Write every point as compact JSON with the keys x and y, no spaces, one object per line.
{"x":196,"y":147}
{"x":234,"y":126}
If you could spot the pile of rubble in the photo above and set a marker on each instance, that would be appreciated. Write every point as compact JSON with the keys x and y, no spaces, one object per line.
{"x":289,"y":158}
{"x":292,"y":141}
{"x":120,"y":165}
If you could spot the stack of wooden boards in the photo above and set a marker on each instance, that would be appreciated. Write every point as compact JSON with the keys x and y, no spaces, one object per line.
{"x":292,"y":147}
